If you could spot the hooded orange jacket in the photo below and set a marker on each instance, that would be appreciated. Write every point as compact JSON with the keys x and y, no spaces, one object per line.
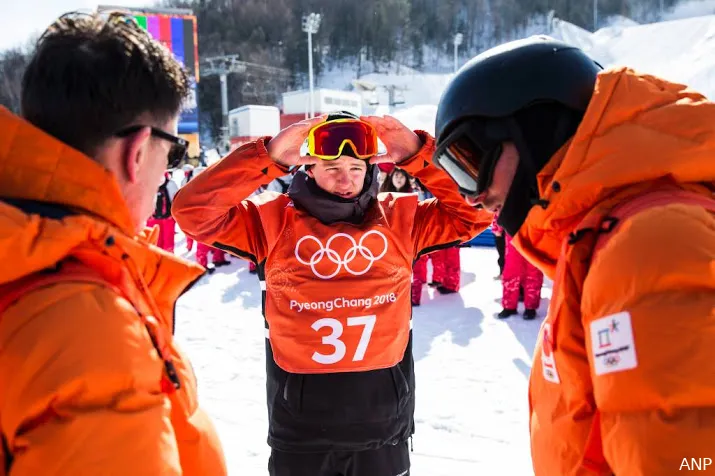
{"x":648,"y":294}
{"x":80,"y":379}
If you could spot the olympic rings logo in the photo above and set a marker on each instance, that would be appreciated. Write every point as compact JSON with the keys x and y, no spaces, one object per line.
{"x":341,"y":261}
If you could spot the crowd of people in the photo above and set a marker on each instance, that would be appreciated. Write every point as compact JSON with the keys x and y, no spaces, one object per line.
{"x":588,"y":171}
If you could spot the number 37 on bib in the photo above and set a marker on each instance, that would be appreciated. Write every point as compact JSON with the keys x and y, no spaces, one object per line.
{"x":334,"y":344}
{"x":366,"y":323}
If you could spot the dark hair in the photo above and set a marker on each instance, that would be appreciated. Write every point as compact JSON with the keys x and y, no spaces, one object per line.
{"x":388,"y":186}
{"x":92,"y":75}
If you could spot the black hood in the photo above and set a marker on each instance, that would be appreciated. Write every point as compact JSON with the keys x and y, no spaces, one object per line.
{"x":329,"y":208}
{"x":538,"y":133}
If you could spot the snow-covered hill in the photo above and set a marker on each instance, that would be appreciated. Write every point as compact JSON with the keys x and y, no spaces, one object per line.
{"x":679,"y":50}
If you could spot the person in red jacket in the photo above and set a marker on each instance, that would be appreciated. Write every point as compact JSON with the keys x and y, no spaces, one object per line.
{"x":162,"y":213}
{"x":334,"y":260}
{"x":519,"y":277}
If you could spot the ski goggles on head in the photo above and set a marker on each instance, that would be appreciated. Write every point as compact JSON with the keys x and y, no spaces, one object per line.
{"x":468,"y":163}
{"x":327,"y":140}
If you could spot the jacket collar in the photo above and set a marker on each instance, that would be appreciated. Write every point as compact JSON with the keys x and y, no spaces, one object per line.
{"x":329,"y":208}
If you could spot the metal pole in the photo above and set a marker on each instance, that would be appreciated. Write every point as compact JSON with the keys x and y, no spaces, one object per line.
{"x":595,"y":14}
{"x":457,"y":41}
{"x":310,"y":72}
{"x":224,"y":105}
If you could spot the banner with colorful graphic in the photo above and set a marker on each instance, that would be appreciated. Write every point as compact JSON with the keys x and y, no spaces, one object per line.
{"x":179,"y":34}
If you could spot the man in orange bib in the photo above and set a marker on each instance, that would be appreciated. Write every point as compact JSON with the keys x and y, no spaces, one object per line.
{"x":334,"y":260}
{"x":605,"y":180}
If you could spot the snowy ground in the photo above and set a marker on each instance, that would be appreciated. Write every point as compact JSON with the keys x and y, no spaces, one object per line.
{"x":472,"y":371}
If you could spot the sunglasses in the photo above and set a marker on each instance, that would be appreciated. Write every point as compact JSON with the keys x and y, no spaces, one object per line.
{"x":179,"y":146}
{"x":462,"y":155}
{"x":327,"y":140}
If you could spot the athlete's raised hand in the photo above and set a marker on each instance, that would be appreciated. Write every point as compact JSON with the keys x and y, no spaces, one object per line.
{"x":400,"y":141}
{"x":284,"y":148}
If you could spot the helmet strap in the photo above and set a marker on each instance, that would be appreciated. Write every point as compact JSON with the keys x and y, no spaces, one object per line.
{"x":550,"y":127}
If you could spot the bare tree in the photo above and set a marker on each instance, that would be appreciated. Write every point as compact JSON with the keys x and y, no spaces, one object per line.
{"x":12,"y":66}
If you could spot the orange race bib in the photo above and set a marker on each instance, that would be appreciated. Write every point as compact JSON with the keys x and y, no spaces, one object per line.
{"x":338,"y":298}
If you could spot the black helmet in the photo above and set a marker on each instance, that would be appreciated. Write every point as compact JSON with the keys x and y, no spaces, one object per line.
{"x":515,"y":75}
{"x":335,"y":115}
{"x":531,"y":92}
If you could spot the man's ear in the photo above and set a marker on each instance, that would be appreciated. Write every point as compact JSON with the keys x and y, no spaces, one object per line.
{"x":134,"y":154}
{"x":309,"y":171}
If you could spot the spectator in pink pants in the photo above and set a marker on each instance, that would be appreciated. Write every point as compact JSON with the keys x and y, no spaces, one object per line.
{"x":162,"y":213}
{"x":518,"y":272}
{"x":446,"y":269}
{"x":218,"y":257}
{"x":419,"y":278}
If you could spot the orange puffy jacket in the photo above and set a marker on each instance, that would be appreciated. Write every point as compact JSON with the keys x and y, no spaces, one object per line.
{"x":80,"y":379}
{"x":623,"y":373}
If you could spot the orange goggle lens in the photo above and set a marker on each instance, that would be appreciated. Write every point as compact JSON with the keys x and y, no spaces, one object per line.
{"x":328,"y":139}
{"x":459,"y":159}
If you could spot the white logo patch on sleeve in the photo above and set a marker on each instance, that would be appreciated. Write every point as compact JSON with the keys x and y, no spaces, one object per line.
{"x":548,"y":364}
{"x":612,"y":344}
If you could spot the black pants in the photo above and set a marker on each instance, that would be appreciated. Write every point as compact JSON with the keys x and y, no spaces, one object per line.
{"x":385,"y":461}
{"x":500,"y":243}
